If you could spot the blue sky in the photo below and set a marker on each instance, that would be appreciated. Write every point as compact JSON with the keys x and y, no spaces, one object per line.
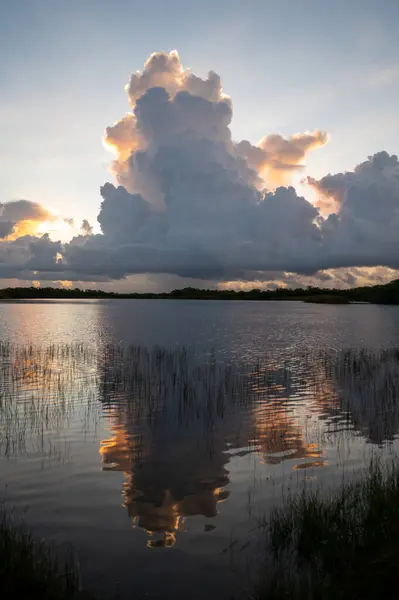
{"x":288,"y":65}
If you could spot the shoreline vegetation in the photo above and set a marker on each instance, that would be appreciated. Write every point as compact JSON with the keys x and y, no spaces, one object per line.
{"x":319,"y":546}
{"x":377,"y":294}
{"x":32,"y":568}
{"x":337,"y":546}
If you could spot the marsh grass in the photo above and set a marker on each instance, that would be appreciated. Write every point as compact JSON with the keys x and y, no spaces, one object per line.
{"x":46,"y":390}
{"x":319,"y":546}
{"x":339,"y":545}
{"x":42,"y":390}
{"x":34,"y":569}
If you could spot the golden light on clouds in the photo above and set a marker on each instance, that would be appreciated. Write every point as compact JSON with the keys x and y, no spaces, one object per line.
{"x":65,"y":284}
{"x":25,"y":227}
{"x":56,"y":227}
{"x":276,"y":159}
{"x":122,"y":138}
{"x":32,"y":219}
{"x":284,"y":156}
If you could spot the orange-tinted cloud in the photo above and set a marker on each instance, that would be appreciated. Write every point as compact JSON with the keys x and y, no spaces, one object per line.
{"x":275,"y":157}
{"x":22,"y":217}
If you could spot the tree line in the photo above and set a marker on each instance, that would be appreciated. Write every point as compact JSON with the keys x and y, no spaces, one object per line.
{"x":377,"y":294}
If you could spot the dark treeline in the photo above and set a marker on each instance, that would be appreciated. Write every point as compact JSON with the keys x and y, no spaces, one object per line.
{"x":377,"y":294}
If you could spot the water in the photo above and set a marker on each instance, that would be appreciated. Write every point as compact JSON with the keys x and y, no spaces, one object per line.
{"x":152,"y":435}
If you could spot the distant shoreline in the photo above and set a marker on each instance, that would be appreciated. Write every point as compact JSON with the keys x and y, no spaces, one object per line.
{"x":378,"y":294}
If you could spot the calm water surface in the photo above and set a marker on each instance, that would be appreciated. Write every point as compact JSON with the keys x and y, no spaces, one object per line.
{"x":152,"y":435}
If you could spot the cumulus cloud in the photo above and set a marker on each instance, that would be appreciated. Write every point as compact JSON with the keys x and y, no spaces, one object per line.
{"x":189,"y":199}
{"x":28,"y":253}
{"x":190,"y":202}
{"x":224,"y":229}
{"x":171,"y":105}
{"x":364,"y":229}
{"x":24,"y":210}
{"x":165,"y":70}
{"x":274,"y":157}
{"x":336,"y":190}
{"x":21,"y":217}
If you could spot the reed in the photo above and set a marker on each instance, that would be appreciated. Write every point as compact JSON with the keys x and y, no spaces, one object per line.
{"x":342,"y":544}
{"x":33,"y":569}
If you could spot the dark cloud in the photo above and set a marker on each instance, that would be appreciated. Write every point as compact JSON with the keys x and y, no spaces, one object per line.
{"x":6,"y":228}
{"x":29,"y":253}
{"x":225,"y":230}
{"x":86,"y":228}
{"x":364,"y":230}
{"x":215,"y":226}
{"x":24,"y":210}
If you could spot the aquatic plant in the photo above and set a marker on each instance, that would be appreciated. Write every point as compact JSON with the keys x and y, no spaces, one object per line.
{"x":335,"y":544}
{"x":31,"y":568}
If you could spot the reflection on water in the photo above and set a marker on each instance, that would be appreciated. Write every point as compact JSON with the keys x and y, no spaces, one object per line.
{"x":176,"y":420}
{"x":176,"y":479}
{"x":278,"y":437}
{"x":172,"y":419}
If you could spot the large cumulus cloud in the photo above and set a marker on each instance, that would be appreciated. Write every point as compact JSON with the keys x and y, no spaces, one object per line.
{"x":191,"y":202}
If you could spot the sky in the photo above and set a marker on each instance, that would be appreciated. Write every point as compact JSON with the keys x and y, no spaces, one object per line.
{"x":289,"y":67}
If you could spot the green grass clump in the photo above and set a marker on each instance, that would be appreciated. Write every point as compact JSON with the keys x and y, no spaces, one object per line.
{"x":342,"y":546}
{"x":31,"y":569}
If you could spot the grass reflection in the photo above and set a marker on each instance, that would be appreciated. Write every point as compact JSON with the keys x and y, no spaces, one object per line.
{"x":176,"y":419}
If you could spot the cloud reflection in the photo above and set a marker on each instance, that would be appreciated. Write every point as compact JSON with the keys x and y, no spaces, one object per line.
{"x":179,"y":423}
